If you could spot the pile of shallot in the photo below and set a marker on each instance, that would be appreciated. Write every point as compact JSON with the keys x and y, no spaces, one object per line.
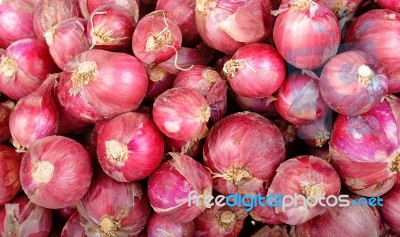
{"x":160,"y":118}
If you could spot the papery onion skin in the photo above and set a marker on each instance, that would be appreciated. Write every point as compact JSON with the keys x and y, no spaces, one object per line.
{"x":66,"y":40}
{"x":56,"y":172}
{"x":351,"y":83}
{"x":377,"y":33}
{"x":24,"y":66}
{"x":51,"y":12}
{"x":35,"y":116}
{"x":130,"y":147}
{"x":260,"y":105}
{"x":187,"y":57}
{"x":312,"y":21}
{"x":255,"y":70}
{"x":158,"y":226}
{"x":389,"y":4}
{"x":156,"y":38}
{"x":88,"y":6}
{"x":341,"y":8}
{"x":390,"y":209}
{"x":181,"y":113}
{"x":16,"y":21}
{"x":5,"y":111}
{"x":365,"y":149}
{"x":10,"y":163}
{"x":274,"y":231}
{"x":220,"y":221}
{"x":354,"y":220}
{"x":99,"y":84}
{"x":170,"y":185}
{"x":228,"y":25}
{"x":111,"y":208}
{"x":159,"y":81}
{"x":110,"y":27}
{"x":208,"y":82}
{"x":183,"y":12}
{"x":73,"y":227}
{"x":21,"y":217}
{"x":307,"y":176}
{"x":243,"y":150}
{"x":299,"y":100}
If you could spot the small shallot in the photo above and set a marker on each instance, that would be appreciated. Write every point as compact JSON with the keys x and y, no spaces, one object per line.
{"x":158,"y":226}
{"x":10,"y":163}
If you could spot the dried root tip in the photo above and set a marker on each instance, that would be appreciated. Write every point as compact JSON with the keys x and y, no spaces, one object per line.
{"x":82,"y":76}
{"x":321,"y":138}
{"x":116,"y":151}
{"x":160,"y":41}
{"x":390,"y":16}
{"x":301,"y":4}
{"x":109,"y":226}
{"x":8,"y":67}
{"x":156,"y":73}
{"x":43,"y":172}
{"x":18,"y":147}
{"x":314,"y":190}
{"x":206,"y":192}
{"x":365,"y":75}
{"x":235,"y":175}
{"x":203,"y":5}
{"x":101,"y":37}
{"x":205,"y":114}
{"x":226,"y":219}
{"x":395,"y":164}
{"x":49,"y":35}
{"x":342,"y":9}
{"x":231,"y":67}
{"x":210,"y":75}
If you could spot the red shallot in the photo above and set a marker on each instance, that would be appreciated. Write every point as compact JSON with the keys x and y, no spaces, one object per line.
{"x":16,"y":21}
{"x":110,"y":208}
{"x":208,"y":82}
{"x":35,"y":116}
{"x":170,"y":186}
{"x":66,"y":40}
{"x":56,"y":172}
{"x":110,"y":27}
{"x":365,"y":149}
{"x":308,"y":176}
{"x":255,"y":70}
{"x":99,"y":84}
{"x":156,"y":38}
{"x":377,"y":32}
{"x":159,"y":81}
{"x":242,"y":151}
{"x":24,"y":66}
{"x":306,"y":33}
{"x":88,"y":6}
{"x":130,"y":147}
{"x":181,"y":113}
{"x":351,"y":83}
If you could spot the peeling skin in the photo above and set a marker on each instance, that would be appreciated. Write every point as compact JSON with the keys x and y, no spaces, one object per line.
{"x":205,"y":114}
{"x":49,"y":35}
